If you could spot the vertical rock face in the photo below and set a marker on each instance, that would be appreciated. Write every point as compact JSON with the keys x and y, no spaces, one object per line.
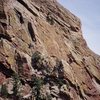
{"x":43,"y":55}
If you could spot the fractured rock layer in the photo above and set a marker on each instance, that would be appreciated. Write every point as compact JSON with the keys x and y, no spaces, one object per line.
{"x":43,"y":55}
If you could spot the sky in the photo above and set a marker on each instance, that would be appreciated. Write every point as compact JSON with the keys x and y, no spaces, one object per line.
{"x":89,"y":13}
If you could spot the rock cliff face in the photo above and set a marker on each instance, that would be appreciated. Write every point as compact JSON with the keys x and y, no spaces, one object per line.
{"x":43,"y":55}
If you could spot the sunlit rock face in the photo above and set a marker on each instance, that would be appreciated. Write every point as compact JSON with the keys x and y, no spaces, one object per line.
{"x":43,"y":55}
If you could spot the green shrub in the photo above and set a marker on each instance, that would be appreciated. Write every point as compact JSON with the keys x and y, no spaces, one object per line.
{"x":36,"y":56}
{"x":49,"y":97}
{"x":36,"y":60}
{"x":37,"y":84}
{"x":50,"y":19}
{"x":16,"y":85}
{"x":4,"y":91}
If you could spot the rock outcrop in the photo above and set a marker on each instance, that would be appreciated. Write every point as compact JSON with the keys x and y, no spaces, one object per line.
{"x":43,"y":55}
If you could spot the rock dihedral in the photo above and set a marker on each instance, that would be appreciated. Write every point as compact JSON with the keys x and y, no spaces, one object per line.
{"x":43,"y":55}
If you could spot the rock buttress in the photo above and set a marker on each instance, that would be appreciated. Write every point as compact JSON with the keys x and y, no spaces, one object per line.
{"x":43,"y":55}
